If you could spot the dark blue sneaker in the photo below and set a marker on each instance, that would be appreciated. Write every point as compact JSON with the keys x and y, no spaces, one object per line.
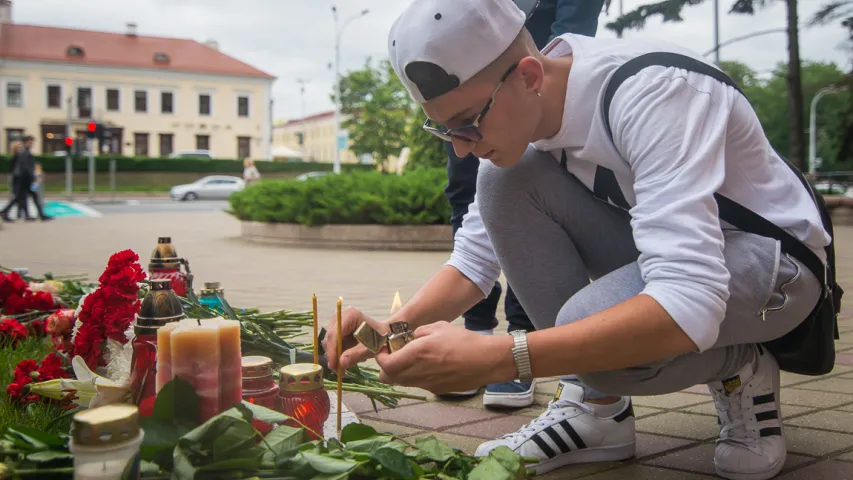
{"x":515,"y":394}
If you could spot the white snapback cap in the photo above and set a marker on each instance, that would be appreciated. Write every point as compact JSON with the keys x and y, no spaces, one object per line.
{"x":437,"y":45}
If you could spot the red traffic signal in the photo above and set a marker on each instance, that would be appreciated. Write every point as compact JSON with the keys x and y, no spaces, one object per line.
{"x":92,"y":126}
{"x":69,"y":141}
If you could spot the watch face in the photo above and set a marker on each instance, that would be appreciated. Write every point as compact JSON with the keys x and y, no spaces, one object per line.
{"x":527,"y":6}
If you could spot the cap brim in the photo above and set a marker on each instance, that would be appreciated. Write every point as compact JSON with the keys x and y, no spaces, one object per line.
{"x":527,"y":6}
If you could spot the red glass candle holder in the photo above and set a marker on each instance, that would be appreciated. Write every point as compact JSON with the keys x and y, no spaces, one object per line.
{"x":303,"y":398}
{"x":259,"y":387}
{"x":178,"y":278}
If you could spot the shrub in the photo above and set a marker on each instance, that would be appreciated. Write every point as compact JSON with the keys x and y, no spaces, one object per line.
{"x":416,"y":198}
{"x":427,"y":150}
{"x":52,"y":164}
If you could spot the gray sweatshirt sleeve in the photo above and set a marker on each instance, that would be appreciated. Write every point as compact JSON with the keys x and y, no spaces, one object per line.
{"x":473,"y":254}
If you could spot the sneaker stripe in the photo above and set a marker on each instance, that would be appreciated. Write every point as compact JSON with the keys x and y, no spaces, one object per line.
{"x":624,"y":414}
{"x":543,"y":445}
{"x":762,"y":399}
{"x":771,"y":415}
{"x":572,"y":433}
{"x":770,"y":431}
{"x":558,"y":440}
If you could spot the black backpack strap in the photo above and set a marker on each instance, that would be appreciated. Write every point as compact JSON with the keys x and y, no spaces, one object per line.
{"x":730,"y":211}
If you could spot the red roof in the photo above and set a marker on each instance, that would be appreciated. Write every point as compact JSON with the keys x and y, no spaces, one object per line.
{"x":316,"y":116}
{"x":51,"y":44}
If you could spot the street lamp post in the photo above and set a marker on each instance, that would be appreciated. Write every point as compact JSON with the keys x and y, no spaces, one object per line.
{"x":813,"y":125}
{"x":338,"y":31}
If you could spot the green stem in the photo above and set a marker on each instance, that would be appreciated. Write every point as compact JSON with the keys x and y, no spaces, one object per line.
{"x":41,"y":472}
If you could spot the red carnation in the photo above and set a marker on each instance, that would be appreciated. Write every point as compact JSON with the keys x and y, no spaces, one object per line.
{"x":11,"y":284}
{"x":60,"y":322}
{"x":28,"y":371}
{"x":16,"y":304}
{"x":36,"y":328}
{"x":11,"y":332}
{"x":51,"y":367}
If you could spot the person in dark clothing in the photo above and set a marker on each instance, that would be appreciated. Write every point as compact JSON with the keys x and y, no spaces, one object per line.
{"x":23,"y":175}
{"x":550,"y":19}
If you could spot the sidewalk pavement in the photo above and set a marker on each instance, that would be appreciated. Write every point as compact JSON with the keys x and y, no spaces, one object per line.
{"x":676,"y":432}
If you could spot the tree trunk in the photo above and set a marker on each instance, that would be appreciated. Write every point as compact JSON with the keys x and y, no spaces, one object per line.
{"x":796,"y":130}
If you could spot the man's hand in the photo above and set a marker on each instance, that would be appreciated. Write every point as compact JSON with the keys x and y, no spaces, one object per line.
{"x":445,"y":358}
{"x":353,"y":351}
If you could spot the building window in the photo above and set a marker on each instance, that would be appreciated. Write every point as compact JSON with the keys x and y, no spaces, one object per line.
{"x":140,"y":101}
{"x":204,"y":104}
{"x":166,"y":140}
{"x":202,"y":142}
{"x":244,"y":147}
{"x":242,"y":106}
{"x":54,"y":96}
{"x":84,"y":102}
{"x":161,"y":57}
{"x":140,"y":144}
{"x":113,"y":100}
{"x":14,"y":94}
{"x":75,"y":51}
{"x":166,"y":99}
{"x":13,"y":135}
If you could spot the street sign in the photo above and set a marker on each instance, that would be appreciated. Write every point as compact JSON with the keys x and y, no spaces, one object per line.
{"x":343,"y":140}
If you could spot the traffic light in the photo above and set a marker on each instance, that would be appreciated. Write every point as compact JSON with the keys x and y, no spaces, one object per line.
{"x":69,"y":143}
{"x":91,"y":130}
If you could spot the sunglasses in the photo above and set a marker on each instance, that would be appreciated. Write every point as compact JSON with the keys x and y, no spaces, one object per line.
{"x":471,"y":132}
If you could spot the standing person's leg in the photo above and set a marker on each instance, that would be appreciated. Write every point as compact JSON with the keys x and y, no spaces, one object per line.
{"x":17,"y":195}
{"x":576,"y":16}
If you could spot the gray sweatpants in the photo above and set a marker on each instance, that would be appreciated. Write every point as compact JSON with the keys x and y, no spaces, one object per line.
{"x":552,"y":237}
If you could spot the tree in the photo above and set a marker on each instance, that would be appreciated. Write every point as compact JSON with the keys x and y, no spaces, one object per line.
{"x":378,"y":107}
{"x":670,"y":11}
{"x":427,"y":150}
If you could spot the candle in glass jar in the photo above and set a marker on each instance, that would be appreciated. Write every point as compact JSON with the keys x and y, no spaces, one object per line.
{"x":195,"y":355}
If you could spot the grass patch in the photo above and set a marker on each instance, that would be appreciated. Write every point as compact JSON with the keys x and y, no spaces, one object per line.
{"x":39,"y":415}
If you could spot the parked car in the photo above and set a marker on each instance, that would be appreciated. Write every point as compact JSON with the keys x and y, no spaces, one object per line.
{"x":306,"y":176}
{"x":831,"y":188}
{"x":213,"y":187}
{"x":192,"y":154}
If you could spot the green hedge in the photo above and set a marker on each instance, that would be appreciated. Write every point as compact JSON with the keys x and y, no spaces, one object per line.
{"x":415,"y":198}
{"x":53,"y":164}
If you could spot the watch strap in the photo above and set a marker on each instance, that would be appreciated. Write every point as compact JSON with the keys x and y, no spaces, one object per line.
{"x":521,"y":355}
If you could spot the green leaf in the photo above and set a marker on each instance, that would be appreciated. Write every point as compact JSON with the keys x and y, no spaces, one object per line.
{"x":369,"y":444}
{"x":177,"y":400}
{"x":263,"y":414}
{"x":38,"y":440}
{"x":442,"y":476}
{"x":233,"y":440}
{"x":435,"y":449}
{"x":357,"y":431}
{"x":243,"y":463}
{"x":49,"y":456}
{"x":394,"y":462}
{"x":510,"y":460}
{"x":245,"y":412}
{"x":331,"y":476}
{"x":183,"y":467}
{"x":160,"y":439}
{"x":490,"y":469}
{"x":148,"y":468}
{"x":285,"y":438}
{"x":324,"y":464}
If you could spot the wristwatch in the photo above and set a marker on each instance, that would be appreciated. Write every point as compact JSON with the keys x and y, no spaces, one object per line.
{"x":521,"y":355}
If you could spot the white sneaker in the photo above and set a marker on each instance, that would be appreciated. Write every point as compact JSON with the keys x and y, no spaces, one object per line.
{"x":751,"y":445}
{"x":571,"y":431}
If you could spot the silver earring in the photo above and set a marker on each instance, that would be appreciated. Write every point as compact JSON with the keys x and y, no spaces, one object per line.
{"x":538,"y":94}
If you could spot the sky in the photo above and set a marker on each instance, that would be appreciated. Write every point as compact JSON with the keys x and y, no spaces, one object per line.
{"x":295,"y":39}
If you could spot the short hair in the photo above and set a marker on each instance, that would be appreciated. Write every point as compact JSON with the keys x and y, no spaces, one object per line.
{"x":29,"y":138}
{"x":523,"y":46}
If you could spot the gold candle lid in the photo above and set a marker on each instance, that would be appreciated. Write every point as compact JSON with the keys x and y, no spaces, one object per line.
{"x":105,"y":426}
{"x":256,"y":366}
{"x":300,"y":377}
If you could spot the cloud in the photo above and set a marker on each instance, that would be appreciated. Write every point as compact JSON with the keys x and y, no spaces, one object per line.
{"x":295,"y":39}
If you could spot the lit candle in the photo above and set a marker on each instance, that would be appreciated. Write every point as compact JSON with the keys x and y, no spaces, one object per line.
{"x":340,"y":367}
{"x":230,"y":363}
{"x":195,"y":358}
{"x":314,"y":308}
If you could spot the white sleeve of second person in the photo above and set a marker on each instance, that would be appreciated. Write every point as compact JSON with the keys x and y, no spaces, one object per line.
{"x":671,"y":128}
{"x":473,"y":254}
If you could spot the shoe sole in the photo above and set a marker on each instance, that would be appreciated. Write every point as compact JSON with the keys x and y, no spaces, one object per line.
{"x":459,"y":394}
{"x":508,"y":400}
{"x":613,"y":453}
{"x":779,"y":465}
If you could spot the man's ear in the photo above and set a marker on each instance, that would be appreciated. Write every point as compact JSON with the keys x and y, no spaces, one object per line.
{"x":532,"y":72}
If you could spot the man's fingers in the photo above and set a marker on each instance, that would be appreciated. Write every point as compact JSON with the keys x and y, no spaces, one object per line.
{"x":353,"y":356}
{"x":424,"y":330}
{"x":397,"y":363}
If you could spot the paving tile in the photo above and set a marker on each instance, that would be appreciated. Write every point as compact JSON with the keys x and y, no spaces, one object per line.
{"x":643,"y":412}
{"x":677,"y":424}
{"x":648,"y":445}
{"x":835,"y":420}
{"x":847,"y":457}
{"x":815,"y":442}
{"x":392,"y":428}
{"x":582,"y":470}
{"x":360,"y":403}
{"x":789,"y":379}
{"x":846,"y":408}
{"x":673,"y":400}
{"x":466,"y":444}
{"x":539,"y":406}
{"x":430,"y":415}
{"x":643,"y":472}
{"x":810,"y":398}
{"x":845,"y":358}
{"x":700,"y":459}
{"x":492,"y":428}
{"x":698,"y":390}
{"x":827,"y":470}
{"x":709,"y":409}
{"x":834,"y":384}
